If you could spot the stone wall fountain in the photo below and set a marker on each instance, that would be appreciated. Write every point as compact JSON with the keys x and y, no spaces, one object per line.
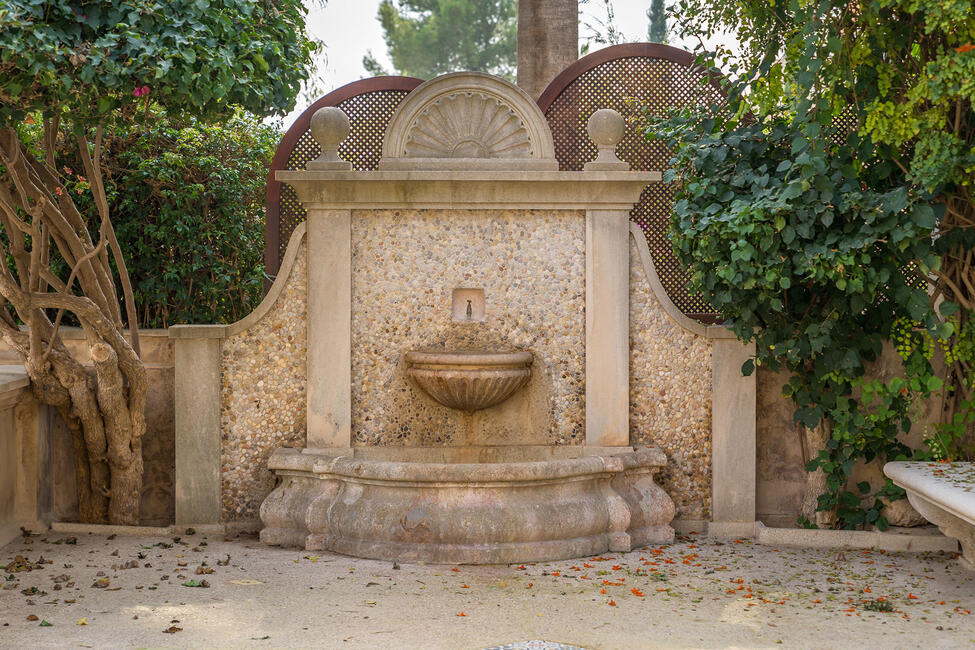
{"x":468,"y":343}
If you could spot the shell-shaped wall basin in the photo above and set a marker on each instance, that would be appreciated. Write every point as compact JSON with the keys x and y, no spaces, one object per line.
{"x":469,"y":380}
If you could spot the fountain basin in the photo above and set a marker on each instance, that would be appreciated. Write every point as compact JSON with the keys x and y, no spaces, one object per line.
{"x":469,"y":380}
{"x":468,"y":505}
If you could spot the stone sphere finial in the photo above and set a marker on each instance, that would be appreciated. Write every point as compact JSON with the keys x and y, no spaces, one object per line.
{"x":606,"y":128}
{"x":330,"y":127}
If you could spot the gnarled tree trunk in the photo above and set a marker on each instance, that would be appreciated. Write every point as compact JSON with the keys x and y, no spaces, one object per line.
{"x":103,"y":406}
{"x":813,"y":441}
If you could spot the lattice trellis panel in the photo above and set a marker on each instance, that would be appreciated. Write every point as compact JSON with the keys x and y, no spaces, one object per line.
{"x":627,"y":84}
{"x":368,"y":115}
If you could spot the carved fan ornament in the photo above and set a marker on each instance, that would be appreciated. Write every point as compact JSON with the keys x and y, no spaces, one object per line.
{"x":468,"y":121}
{"x":468,"y":125}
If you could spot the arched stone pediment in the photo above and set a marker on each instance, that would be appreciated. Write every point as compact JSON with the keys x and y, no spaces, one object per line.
{"x":468,"y":120}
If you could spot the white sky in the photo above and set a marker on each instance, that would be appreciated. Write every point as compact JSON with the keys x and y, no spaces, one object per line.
{"x":349,"y":28}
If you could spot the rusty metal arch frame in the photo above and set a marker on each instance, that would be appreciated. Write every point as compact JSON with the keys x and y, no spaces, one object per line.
{"x":611,"y":53}
{"x":292,"y":137}
{"x":564,"y":101}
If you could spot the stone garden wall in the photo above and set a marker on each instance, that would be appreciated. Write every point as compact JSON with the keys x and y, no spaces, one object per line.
{"x":262,"y":372}
{"x":402,"y":282}
{"x":670,"y":395}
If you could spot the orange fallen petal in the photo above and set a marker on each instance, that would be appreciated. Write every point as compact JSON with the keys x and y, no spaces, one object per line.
{"x":461,"y":614}
{"x":455,"y":569}
{"x":464,"y":587}
{"x":603,"y":590}
{"x":636,"y":592}
{"x":612,"y":603}
{"x":912,"y":596}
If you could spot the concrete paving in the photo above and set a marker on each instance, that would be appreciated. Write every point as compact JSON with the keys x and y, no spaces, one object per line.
{"x":74,"y":591}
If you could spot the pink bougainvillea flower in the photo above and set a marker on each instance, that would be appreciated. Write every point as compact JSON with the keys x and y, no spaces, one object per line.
{"x":58,"y":191}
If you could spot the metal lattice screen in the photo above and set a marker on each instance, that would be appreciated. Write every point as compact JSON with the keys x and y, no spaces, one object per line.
{"x":369,"y":104}
{"x":368,"y":115}
{"x":627,"y":83}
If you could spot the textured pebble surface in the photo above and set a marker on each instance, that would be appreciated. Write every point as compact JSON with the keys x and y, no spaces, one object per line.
{"x":531,"y":266}
{"x":263,"y":397}
{"x":670,"y":396}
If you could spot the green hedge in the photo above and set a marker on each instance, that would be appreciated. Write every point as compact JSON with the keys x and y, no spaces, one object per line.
{"x":187,"y":202}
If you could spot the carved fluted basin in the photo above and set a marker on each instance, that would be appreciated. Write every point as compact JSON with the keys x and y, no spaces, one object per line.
{"x":469,"y":380}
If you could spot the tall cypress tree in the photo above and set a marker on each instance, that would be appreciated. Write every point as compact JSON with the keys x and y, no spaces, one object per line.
{"x":657,"y":29}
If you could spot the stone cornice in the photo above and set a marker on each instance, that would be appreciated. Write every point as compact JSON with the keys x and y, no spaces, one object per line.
{"x":468,"y":190}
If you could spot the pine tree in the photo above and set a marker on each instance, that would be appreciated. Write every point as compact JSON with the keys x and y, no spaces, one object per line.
{"x":427,"y":38}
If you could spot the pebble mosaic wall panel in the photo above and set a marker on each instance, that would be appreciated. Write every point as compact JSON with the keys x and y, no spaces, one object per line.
{"x":670,"y":395}
{"x":263,"y":397}
{"x":406,"y":264}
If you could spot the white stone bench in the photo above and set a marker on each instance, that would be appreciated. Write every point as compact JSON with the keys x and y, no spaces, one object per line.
{"x":944,"y":494}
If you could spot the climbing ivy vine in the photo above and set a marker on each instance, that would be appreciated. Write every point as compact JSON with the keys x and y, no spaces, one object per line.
{"x":827,"y":207}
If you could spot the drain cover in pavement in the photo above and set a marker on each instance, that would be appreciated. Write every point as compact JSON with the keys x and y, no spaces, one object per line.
{"x":535,"y":645}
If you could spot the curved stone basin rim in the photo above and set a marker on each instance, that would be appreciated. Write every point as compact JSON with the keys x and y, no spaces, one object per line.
{"x":474,"y":358}
{"x":505,"y":471}
{"x":537,"y":509}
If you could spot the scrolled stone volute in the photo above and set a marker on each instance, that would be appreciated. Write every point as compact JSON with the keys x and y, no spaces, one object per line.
{"x":330,"y":127}
{"x":606,"y":128}
{"x":468,"y":120}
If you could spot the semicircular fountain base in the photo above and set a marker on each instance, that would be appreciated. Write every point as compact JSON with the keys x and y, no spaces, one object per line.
{"x":468,"y":505}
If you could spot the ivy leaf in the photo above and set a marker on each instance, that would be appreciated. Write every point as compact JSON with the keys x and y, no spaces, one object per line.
{"x":948,"y":308}
{"x":748,"y":368}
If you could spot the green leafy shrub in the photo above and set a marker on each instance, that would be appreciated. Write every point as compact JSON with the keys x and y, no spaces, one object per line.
{"x":188,"y":200}
{"x":812,"y":256}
